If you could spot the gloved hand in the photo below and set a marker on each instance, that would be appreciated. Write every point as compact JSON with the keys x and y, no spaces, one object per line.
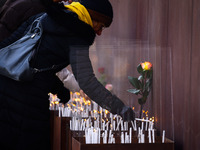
{"x":127,"y":114}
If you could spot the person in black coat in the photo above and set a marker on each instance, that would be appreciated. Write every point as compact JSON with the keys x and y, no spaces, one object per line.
{"x":68,"y":32}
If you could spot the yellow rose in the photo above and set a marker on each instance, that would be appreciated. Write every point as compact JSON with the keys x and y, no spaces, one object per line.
{"x":146,"y":65}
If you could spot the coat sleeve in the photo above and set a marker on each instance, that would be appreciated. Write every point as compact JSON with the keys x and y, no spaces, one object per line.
{"x":59,"y":89}
{"x":83,"y":71}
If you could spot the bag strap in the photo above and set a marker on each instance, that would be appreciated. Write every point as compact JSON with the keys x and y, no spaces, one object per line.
{"x":36,"y":26}
{"x":54,"y":67}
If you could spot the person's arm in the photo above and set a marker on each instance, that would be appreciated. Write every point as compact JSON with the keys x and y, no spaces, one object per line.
{"x":83,"y":71}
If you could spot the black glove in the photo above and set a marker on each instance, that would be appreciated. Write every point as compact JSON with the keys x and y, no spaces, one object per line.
{"x":127,"y":114}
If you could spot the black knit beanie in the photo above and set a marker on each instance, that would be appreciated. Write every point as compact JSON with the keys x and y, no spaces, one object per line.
{"x":99,"y":10}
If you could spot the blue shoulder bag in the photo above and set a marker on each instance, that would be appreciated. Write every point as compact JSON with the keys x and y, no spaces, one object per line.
{"x":15,"y":58}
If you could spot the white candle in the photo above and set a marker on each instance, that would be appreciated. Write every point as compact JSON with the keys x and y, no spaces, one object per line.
{"x":59,"y":112}
{"x":110,"y":137}
{"x":86,"y":136}
{"x":122,"y":137}
{"x":132,"y":124}
{"x":114,"y":125}
{"x":126,"y":125}
{"x":90,"y":135}
{"x":70,"y":122}
{"x":149,"y":135}
{"x":130,"y":134}
{"x":163,"y":137}
{"x":99,"y":134}
{"x":105,"y":137}
{"x":93,"y":136}
{"x":126,"y":138}
{"x":146,"y":124}
{"x":135,"y":129}
{"x":104,"y":125}
{"x":142,"y":120}
{"x":153,"y":136}
{"x":142,"y":125}
{"x":139,"y":135}
{"x":111,"y":117}
{"x":142,"y":138}
{"x":103,"y":134}
{"x":96,"y":136}
{"x":101,"y":124}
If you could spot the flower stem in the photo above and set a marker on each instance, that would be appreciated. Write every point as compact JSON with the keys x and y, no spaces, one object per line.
{"x":141,"y":108}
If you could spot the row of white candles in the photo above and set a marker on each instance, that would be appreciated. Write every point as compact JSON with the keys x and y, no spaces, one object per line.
{"x":80,"y":124}
{"x":115,"y":122}
{"x":92,"y":136}
{"x":115,"y":125}
{"x":87,"y":126}
{"x":84,"y":113}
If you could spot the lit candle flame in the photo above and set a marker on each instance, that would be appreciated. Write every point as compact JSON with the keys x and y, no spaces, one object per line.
{"x":77,"y":93}
{"x":152,"y":119}
{"x":56,"y":102}
{"x":81,"y":108}
{"x":106,"y":111}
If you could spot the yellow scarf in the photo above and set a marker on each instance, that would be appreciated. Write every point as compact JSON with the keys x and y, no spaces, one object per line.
{"x":81,"y":11}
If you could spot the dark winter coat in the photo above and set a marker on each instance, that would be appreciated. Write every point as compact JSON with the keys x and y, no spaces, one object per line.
{"x":23,"y":9}
{"x":2,"y":3}
{"x":24,"y":106}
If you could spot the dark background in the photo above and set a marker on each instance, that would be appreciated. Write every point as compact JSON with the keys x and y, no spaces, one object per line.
{"x":166,"y":33}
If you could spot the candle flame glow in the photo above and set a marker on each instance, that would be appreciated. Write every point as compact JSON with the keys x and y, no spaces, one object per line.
{"x":106,"y":111}
{"x":77,"y":93}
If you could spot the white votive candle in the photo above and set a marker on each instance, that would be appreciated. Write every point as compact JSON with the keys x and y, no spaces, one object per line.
{"x":153,"y":136}
{"x":163,"y":137}
{"x":149,"y":135}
